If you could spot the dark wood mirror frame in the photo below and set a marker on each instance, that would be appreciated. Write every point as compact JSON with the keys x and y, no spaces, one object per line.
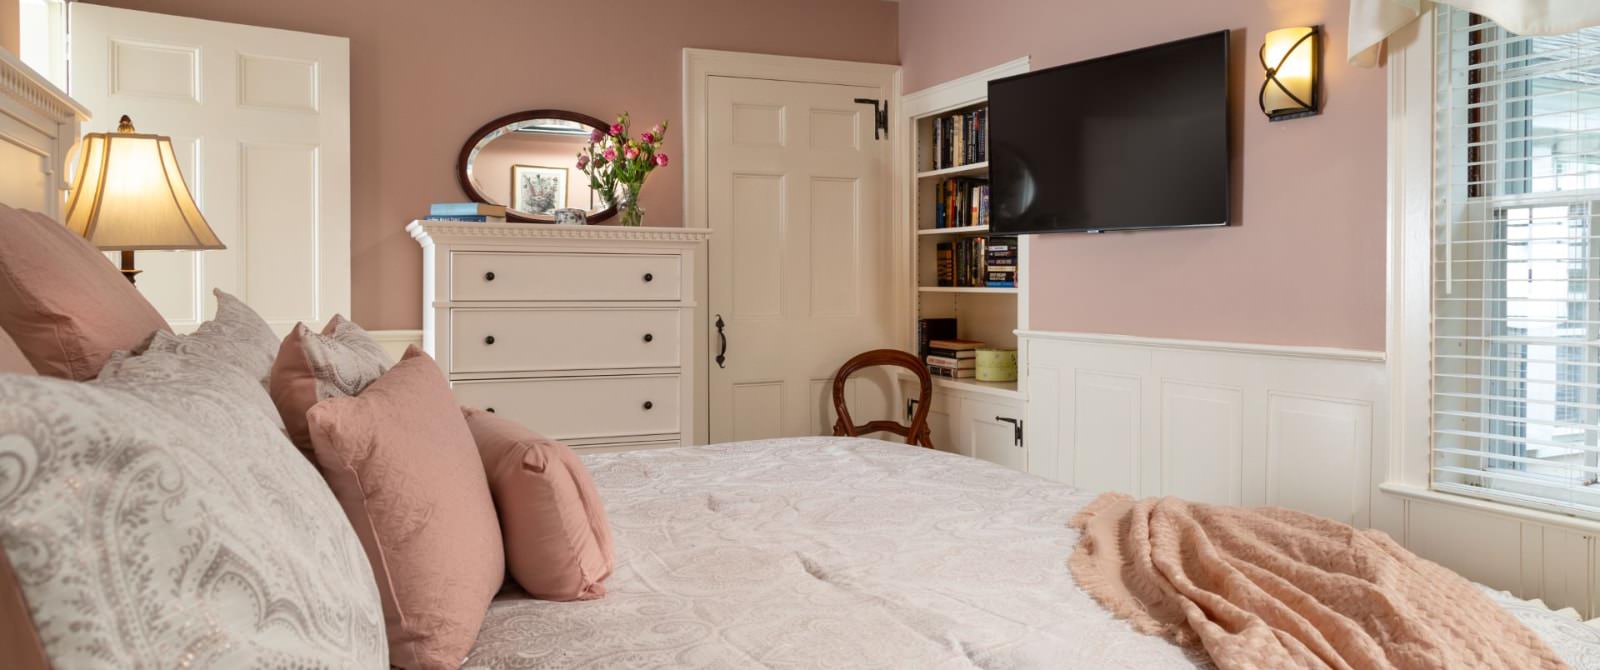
{"x":512,"y":215}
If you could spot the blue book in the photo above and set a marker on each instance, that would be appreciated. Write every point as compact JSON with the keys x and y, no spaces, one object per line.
{"x":467,"y":218}
{"x":465,"y":209}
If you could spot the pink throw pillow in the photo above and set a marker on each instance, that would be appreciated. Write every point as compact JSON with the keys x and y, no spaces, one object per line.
{"x":558,"y":543}
{"x":402,"y":463}
{"x":65,"y":305}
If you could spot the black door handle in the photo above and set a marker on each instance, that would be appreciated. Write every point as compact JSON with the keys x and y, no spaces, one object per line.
{"x":489,"y":410}
{"x":649,"y":405}
{"x":488,"y":340}
{"x":649,"y":277}
{"x":722,"y":352}
{"x":649,"y":338}
{"x":488,"y":276}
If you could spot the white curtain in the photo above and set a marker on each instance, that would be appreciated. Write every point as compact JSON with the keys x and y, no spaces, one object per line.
{"x":1373,"y":20}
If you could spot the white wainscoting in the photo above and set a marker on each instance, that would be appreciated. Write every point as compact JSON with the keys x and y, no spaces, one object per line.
{"x":1215,"y":422}
{"x":394,"y":342}
{"x":1298,"y":427}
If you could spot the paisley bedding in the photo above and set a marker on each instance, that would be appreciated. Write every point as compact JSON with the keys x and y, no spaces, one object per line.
{"x":844,"y":552}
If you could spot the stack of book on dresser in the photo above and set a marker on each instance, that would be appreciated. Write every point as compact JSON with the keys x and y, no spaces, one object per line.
{"x":471,"y":212}
{"x":956,"y":359}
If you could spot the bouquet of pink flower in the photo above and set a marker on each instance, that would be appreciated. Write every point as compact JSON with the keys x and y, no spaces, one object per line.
{"x":617,"y":165}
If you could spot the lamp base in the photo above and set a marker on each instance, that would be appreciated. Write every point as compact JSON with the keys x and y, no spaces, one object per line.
{"x":127,"y":267}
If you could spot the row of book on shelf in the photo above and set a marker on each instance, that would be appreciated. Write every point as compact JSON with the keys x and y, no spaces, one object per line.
{"x":963,"y":201}
{"x":961,"y":139}
{"x":983,"y":261}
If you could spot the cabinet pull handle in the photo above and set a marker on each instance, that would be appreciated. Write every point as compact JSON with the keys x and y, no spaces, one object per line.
{"x":649,"y":338}
{"x":489,"y":410}
{"x":648,"y":405}
{"x":722,"y":353}
{"x":649,"y":277}
{"x":488,"y":340}
{"x":1016,"y":428}
{"x":488,"y":276}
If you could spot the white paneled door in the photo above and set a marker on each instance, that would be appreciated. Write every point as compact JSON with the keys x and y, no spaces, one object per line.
{"x":800,"y":260}
{"x":261,"y":122}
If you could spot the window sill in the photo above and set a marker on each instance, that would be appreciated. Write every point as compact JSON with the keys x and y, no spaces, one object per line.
{"x":1424,"y":494}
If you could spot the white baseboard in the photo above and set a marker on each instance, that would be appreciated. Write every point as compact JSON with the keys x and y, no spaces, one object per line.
{"x":395,"y":341}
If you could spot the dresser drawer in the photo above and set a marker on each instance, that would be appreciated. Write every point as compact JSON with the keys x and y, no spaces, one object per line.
{"x":581,"y":407}
{"x":517,"y":340}
{"x":565,"y":277}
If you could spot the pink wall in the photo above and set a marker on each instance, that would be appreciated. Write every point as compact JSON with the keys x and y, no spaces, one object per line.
{"x":1304,"y":264}
{"x":425,"y":74}
{"x":10,"y":26}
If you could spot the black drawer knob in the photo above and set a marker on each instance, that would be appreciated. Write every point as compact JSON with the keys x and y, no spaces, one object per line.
{"x":648,"y":404}
{"x":488,"y":340}
{"x":489,"y":410}
{"x":649,"y":277}
{"x":649,"y":338}
{"x":488,"y":276}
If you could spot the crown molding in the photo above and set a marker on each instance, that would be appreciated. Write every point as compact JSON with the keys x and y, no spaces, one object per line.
{"x":429,"y":231}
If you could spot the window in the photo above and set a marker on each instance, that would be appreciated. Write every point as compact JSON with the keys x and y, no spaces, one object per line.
{"x":44,"y":38}
{"x":1516,"y":271}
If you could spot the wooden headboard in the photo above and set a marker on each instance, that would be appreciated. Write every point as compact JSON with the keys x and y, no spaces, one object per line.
{"x":38,"y":129}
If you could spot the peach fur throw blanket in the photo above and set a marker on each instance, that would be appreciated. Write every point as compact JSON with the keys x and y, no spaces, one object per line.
{"x":1274,"y":588}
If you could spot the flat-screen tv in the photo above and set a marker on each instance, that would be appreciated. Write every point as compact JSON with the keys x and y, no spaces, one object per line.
{"x":1128,"y":141}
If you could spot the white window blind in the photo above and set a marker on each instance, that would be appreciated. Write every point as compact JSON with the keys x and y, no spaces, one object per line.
{"x":1516,"y":265}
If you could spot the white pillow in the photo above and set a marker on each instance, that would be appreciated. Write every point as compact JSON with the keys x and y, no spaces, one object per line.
{"x":157,"y":517}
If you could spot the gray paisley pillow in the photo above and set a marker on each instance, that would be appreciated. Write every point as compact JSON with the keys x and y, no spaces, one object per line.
{"x":155,"y":519}
{"x":312,"y":367}
{"x":237,"y":335}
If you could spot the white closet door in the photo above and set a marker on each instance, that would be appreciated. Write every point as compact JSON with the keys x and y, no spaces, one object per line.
{"x":800,"y":262}
{"x":261,"y":122}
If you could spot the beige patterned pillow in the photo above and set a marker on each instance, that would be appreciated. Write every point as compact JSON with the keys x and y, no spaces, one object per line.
{"x":155,"y":521}
{"x":237,"y":336}
{"x":311,"y":368}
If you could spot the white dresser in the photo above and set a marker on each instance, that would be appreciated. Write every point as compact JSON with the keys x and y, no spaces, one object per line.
{"x":585,"y":334}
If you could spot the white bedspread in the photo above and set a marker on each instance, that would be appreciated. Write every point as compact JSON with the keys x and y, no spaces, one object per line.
{"x":838,"y":552}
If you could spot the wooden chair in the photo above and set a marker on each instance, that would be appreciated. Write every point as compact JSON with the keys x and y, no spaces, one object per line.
{"x":917,"y":432}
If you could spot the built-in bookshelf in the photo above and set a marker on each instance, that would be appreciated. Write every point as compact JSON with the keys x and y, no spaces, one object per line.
{"x":960,"y":269}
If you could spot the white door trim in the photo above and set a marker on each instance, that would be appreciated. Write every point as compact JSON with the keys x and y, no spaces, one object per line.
{"x":699,"y":66}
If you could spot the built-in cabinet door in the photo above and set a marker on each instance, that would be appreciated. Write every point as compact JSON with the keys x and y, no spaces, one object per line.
{"x":989,"y":433}
{"x":942,"y":426}
{"x":972,"y":426}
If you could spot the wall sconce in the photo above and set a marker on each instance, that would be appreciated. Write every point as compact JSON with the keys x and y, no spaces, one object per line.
{"x":1292,"y":58}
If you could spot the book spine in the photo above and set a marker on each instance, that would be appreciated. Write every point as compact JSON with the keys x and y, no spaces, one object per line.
{"x":469,"y":218}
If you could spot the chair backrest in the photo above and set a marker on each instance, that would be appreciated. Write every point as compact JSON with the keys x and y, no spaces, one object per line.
{"x":917,"y":432}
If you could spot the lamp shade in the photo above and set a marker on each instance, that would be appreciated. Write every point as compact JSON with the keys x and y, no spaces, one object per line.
{"x":129,"y":195}
{"x":1291,"y":57}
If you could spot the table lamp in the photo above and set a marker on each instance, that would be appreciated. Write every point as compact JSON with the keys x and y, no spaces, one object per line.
{"x":128,"y":195}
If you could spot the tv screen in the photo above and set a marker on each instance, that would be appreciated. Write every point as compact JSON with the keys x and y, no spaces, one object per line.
{"x":1133,"y":140}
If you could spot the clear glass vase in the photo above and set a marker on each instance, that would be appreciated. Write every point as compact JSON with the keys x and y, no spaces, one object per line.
{"x":626,"y":200}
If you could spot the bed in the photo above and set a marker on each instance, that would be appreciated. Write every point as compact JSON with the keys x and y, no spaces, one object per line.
{"x":846,"y":552}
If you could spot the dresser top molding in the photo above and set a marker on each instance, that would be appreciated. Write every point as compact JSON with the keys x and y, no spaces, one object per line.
{"x":447,"y":232}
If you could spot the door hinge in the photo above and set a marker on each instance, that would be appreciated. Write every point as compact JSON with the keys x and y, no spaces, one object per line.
{"x":880,"y":116}
{"x":1016,"y":428}
{"x":911,"y":409}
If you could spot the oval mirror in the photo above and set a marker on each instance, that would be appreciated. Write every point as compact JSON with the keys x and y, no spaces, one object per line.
{"x":527,"y":162}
